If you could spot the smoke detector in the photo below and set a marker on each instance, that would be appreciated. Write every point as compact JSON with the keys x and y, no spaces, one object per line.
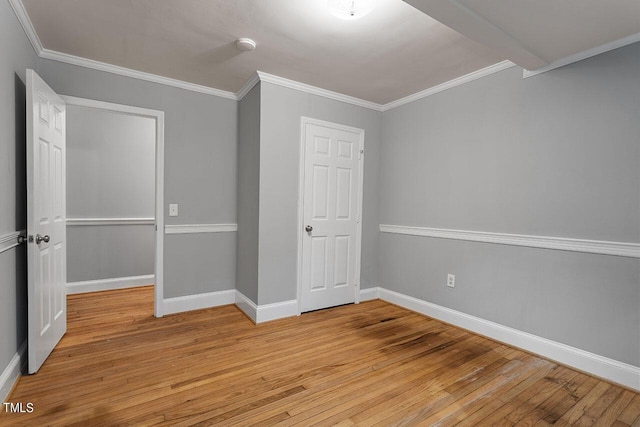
{"x":245,"y":44}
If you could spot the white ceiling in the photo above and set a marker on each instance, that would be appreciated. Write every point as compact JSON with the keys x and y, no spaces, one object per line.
{"x":535,"y":33}
{"x":393,"y":52}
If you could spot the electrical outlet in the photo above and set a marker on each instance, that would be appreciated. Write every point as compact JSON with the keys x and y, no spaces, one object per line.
{"x":173,"y":209}
{"x":451,"y":280}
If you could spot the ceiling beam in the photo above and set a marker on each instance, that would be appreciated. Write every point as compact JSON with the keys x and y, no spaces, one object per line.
{"x":465,"y":21}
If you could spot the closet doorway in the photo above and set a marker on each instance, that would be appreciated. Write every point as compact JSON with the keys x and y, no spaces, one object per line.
{"x":115,"y":222}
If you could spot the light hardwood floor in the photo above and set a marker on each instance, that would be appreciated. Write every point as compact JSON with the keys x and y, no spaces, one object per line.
{"x":367,"y":364}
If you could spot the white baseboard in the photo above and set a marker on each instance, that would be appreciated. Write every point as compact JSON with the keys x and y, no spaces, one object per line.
{"x":603,"y":367}
{"x":12,"y":372}
{"x":369,"y":294}
{"x":198,"y":301}
{"x":109,"y":284}
{"x":266,"y":312}
{"x":277,"y":310}
{"x":247,"y":306}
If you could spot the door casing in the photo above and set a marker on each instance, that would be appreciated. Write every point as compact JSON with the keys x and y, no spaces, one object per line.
{"x":158,"y":116}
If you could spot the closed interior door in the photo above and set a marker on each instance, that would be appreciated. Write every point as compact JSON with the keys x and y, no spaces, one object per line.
{"x":46,"y":207}
{"x":331,"y":214}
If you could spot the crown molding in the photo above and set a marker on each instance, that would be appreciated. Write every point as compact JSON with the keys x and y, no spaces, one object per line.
{"x":25,"y":22}
{"x":128,"y":72}
{"x":450,"y":84}
{"x":624,"y":249}
{"x":313,"y":90}
{"x":256,"y":77}
{"x":32,"y":35}
{"x":633,"y":38}
{"x":249,"y":84}
{"x":27,"y":25}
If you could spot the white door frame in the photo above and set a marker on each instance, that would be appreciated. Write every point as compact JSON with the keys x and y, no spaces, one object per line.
{"x":158,"y":116}
{"x":304,"y":121}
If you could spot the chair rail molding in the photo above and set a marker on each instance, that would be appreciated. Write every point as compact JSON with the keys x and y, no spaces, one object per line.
{"x":74,"y":222}
{"x":601,"y":247}
{"x":199,"y":228}
{"x":10,"y":240}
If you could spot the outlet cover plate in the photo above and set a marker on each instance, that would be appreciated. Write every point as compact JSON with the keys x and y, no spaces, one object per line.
{"x":451,"y":280}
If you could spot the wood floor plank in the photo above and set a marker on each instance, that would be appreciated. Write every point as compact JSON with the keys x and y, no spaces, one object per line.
{"x":631,"y":414}
{"x":551,"y":409}
{"x":578,"y":410}
{"x":594,"y":412}
{"x":373,"y":394}
{"x":539,"y":368}
{"x":610,"y":415}
{"x":337,"y":392}
{"x":358,"y":365}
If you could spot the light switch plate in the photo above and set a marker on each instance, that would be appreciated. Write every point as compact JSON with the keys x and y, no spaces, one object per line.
{"x":173,"y":209}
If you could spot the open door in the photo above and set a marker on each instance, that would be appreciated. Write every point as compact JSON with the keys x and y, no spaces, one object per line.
{"x":46,"y":215}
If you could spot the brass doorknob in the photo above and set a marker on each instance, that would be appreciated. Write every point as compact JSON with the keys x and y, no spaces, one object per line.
{"x":308,"y":229}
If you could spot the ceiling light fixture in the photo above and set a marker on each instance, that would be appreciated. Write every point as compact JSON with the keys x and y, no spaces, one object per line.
{"x":245,"y":44}
{"x":351,"y":9}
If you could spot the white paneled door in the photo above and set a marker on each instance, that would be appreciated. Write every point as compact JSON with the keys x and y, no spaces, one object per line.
{"x":46,"y":211}
{"x":331,"y":204}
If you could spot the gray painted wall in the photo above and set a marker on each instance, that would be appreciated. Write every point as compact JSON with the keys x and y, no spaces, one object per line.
{"x":280,"y":114}
{"x":110,"y":164}
{"x":557,"y":154}
{"x":17,"y":55}
{"x":108,"y":252}
{"x":110,"y":174}
{"x":200,"y":168}
{"x":200,"y":263}
{"x":248,"y":193}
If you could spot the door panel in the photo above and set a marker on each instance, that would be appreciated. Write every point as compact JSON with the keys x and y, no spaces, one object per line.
{"x":320,"y":191}
{"x":343,"y":190}
{"x":46,"y":215}
{"x":332,"y":185}
{"x":341,"y":261}
{"x":318,"y":263}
